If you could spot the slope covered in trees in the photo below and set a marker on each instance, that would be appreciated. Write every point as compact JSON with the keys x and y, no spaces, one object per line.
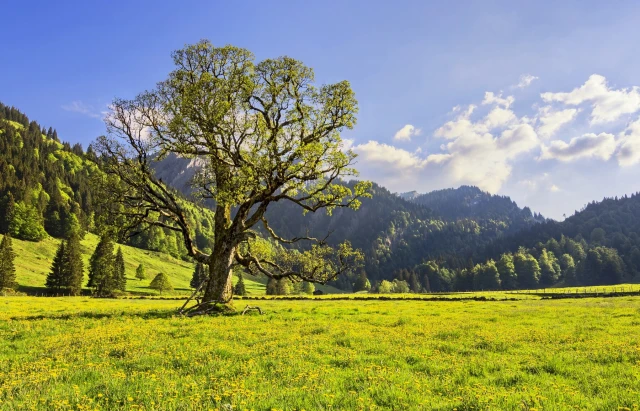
{"x":46,"y":189}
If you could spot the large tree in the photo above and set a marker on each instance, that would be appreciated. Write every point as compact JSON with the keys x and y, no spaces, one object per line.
{"x":262,"y":133}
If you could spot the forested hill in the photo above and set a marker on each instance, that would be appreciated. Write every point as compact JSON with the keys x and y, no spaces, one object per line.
{"x":394,"y":234}
{"x":471,"y":202}
{"x":612,"y":222}
{"x":45,"y":189}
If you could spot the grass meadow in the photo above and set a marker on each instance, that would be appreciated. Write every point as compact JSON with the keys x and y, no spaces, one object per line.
{"x":81,"y":353}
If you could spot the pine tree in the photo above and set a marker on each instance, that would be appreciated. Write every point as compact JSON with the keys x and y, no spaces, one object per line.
{"x":199,"y":275}
{"x":74,"y":267}
{"x":55,"y":278}
{"x":102,"y":268}
{"x":7,"y":269}
{"x":161,"y":283}
{"x":140,"y":273}
{"x":120,"y":271}
{"x":9,"y":206}
{"x":239,"y":288}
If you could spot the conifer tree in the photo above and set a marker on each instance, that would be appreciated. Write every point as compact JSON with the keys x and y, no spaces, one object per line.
{"x":239,"y":288}
{"x":199,"y":275}
{"x":120,"y":271}
{"x":102,"y":268}
{"x":140,"y":272}
{"x":9,"y":206}
{"x":161,"y":283}
{"x":7,"y":269}
{"x":74,"y":267}
{"x":56,"y":275}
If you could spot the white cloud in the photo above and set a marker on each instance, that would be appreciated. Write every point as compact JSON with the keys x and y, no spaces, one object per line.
{"x":82,"y":108}
{"x":525,"y":81}
{"x":554,"y":188}
{"x":552,"y":120}
{"x":406,"y":132}
{"x":607,"y":104}
{"x":629,"y":145}
{"x":590,"y":145}
{"x":491,"y":98}
{"x":384,"y":154}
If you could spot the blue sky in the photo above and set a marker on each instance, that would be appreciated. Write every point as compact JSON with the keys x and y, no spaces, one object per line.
{"x":409,"y":62}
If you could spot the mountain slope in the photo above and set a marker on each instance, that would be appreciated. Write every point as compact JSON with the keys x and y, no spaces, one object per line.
{"x":33,"y":263}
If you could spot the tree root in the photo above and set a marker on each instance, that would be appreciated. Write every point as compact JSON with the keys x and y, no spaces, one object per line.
{"x":249,"y":308}
{"x":209,"y":308}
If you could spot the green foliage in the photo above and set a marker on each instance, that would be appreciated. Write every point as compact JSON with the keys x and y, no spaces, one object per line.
{"x":272,"y":287}
{"x":161,"y":283}
{"x":26,"y":223}
{"x":141,"y":273}
{"x":239,"y":288}
{"x":102,"y":271}
{"x":362,"y":283}
{"x":55,"y":279}
{"x":308,"y":288}
{"x":199,"y":275}
{"x":486,"y":276}
{"x":527,"y":268}
{"x":601,"y":266}
{"x":7,"y":267}
{"x":507,"y":271}
{"x":120,"y":276}
{"x":385,"y":287}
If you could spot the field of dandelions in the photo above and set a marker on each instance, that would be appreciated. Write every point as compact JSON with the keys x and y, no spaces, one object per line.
{"x":92,"y":354}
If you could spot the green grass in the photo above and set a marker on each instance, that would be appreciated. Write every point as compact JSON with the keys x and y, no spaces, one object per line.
{"x":82,"y":353}
{"x":33,"y":263}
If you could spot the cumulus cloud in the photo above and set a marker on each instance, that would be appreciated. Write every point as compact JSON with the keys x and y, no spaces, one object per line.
{"x":552,"y":120}
{"x":525,"y":81}
{"x":628,"y":152}
{"x":589,"y":145}
{"x":491,"y":98}
{"x":406,"y":132}
{"x":607,"y":104}
{"x":82,"y":108}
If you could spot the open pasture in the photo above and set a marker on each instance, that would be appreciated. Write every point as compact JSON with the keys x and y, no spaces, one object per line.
{"x":82,"y":353}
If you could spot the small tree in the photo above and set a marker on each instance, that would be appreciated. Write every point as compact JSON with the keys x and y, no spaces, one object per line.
{"x":102,"y":268}
{"x":199,"y":275}
{"x":400,"y":286}
{"x":74,"y":267}
{"x":120,"y":271}
{"x":272,"y":287}
{"x":161,"y":283}
{"x":140,"y":272}
{"x":283,"y":287}
{"x":7,"y":269}
{"x":239,"y":288}
{"x":362,"y":283}
{"x":55,"y":278}
{"x":308,"y":288}
{"x":385,"y":287}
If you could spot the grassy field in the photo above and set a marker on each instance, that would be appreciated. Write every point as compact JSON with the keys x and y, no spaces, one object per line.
{"x":82,"y":353}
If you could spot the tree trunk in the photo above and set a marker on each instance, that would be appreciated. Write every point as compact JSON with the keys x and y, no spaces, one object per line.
{"x":219,"y":288}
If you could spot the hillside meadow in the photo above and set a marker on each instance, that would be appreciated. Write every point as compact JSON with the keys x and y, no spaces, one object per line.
{"x":530,"y":354}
